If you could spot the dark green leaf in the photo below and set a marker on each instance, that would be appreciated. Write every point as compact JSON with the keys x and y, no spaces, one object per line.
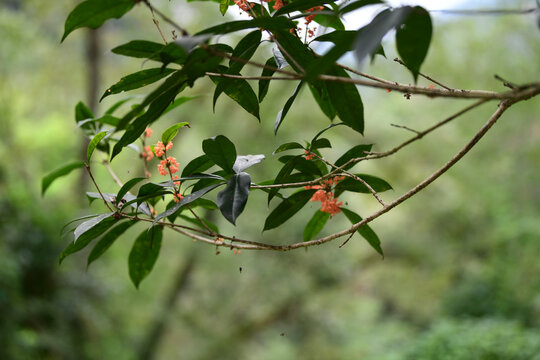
{"x":265,"y":84}
{"x":64,"y":170}
{"x":170,"y":53}
{"x":93,"y":143}
{"x":283,"y":112}
{"x":240,"y":91}
{"x":365,"y":231}
{"x":320,"y":144}
{"x":144,"y":253}
{"x":287,"y":208}
{"x":93,"y":13}
{"x":127,"y":186}
{"x":150,"y":189}
{"x":185,"y":200}
{"x":244,"y":50}
{"x":295,"y":49}
{"x":88,"y":231}
{"x":315,"y":225}
{"x":413,"y":38}
{"x":221,"y":151}
{"x":300,"y":5}
{"x":271,"y":24}
{"x":201,"y":61}
{"x":329,"y":21}
{"x":283,"y":174}
{"x":197,"y":165}
{"x":350,"y":184}
{"x":346,"y":100}
{"x":370,"y":36}
{"x":107,"y":240}
{"x":288,"y":146}
{"x":137,"y":80}
{"x":245,"y":161}
{"x":82,"y":112}
{"x":171,"y":132}
{"x":351,"y":6}
{"x":233,"y":198}
{"x":320,"y":94}
{"x":355,"y":152}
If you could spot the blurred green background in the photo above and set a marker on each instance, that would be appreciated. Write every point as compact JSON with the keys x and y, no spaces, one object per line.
{"x":461,"y":276}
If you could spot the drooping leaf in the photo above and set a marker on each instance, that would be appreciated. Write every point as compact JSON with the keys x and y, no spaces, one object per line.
{"x":197,"y":165}
{"x":223,"y":6}
{"x":365,"y":230}
{"x":241,"y":92}
{"x":347,"y":101}
{"x":64,"y":170}
{"x":185,"y":200}
{"x":221,"y":151}
{"x":171,"y":132}
{"x":413,"y":38}
{"x":287,"y":208}
{"x":93,"y":13}
{"x":283,"y":112}
{"x":93,"y":143}
{"x":86,"y":232}
{"x":350,"y":184}
{"x":144,"y":253}
{"x":264,"y":84}
{"x":357,"y":151}
{"x":245,"y":161}
{"x":267,"y":23}
{"x":315,"y":224}
{"x":320,"y":94}
{"x":232,"y":200}
{"x":137,"y":80}
{"x":107,"y":240}
{"x":370,"y":36}
{"x":297,"y":52}
{"x":245,"y":49}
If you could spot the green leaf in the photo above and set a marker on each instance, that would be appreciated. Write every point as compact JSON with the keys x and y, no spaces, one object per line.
{"x":82,"y":112}
{"x":144,"y":254}
{"x":283,"y":112}
{"x":370,"y":36}
{"x":287,"y":208}
{"x":244,"y":50}
{"x":319,"y":91}
{"x":365,"y":231}
{"x":221,"y":151}
{"x":93,"y":13}
{"x":355,"y":152}
{"x":320,"y":144}
{"x":288,"y":146}
{"x":150,"y":189}
{"x":295,"y":49}
{"x":315,"y":225}
{"x":64,"y":170}
{"x":197,"y":165}
{"x":232,"y":200}
{"x":265,"y":84}
{"x":350,"y":184}
{"x":126,"y":187}
{"x":171,"y":132}
{"x":223,"y":6}
{"x":351,"y":6}
{"x":283,"y":174}
{"x":107,"y":240}
{"x":170,"y":53}
{"x":93,"y":143}
{"x":185,"y":200}
{"x":329,"y":21}
{"x":137,"y":80}
{"x":240,"y":91}
{"x":347,"y":101}
{"x":116,"y":106}
{"x":267,"y":23}
{"x":413,"y":38}
{"x":245,"y":161}
{"x":86,"y":232}
{"x":300,"y":5}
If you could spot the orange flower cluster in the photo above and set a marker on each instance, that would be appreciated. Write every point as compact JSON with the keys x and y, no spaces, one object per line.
{"x":177,"y":197}
{"x":244,"y":5}
{"x":170,"y":163}
{"x":308,"y":156}
{"x":148,"y":154}
{"x":160,"y":149}
{"x":324,"y":194}
{"x":278,"y":5}
{"x":310,"y":18}
{"x":148,"y":132}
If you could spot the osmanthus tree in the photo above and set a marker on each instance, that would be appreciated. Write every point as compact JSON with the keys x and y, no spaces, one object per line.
{"x":307,"y":174}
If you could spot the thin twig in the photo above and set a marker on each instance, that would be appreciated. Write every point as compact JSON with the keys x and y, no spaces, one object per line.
{"x":97,"y":187}
{"x":156,"y":22}
{"x":232,"y":76}
{"x":426,"y":77}
{"x":167,"y":19}
{"x":405,"y":128}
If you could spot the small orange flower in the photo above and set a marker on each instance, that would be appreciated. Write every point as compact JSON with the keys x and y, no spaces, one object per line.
{"x":148,"y":132}
{"x":278,"y":5}
{"x":148,"y":154}
{"x":309,"y":155}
